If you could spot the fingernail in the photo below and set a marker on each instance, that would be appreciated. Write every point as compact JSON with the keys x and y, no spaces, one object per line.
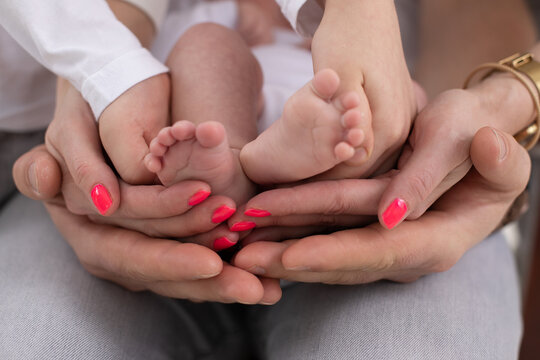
{"x":394,"y":213}
{"x":32,"y":177}
{"x":256,"y":213}
{"x":222,"y":213}
{"x":298,"y":268}
{"x":205,"y":276}
{"x":101,"y":198}
{"x":243,"y":226}
{"x":222,"y":243}
{"x":503,"y":150}
{"x":257,"y":270}
{"x":199,"y":197}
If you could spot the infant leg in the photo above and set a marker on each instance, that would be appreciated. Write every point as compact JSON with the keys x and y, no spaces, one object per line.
{"x":217,"y":81}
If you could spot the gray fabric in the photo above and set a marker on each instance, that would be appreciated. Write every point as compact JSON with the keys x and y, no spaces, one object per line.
{"x":13,"y":145}
{"x":50,"y":308}
{"x":469,"y":312}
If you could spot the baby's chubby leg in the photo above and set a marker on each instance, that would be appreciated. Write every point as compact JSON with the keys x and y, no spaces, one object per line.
{"x":216,"y":86}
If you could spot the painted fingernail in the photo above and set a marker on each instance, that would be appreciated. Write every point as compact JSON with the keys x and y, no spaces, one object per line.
{"x":101,"y":198}
{"x":243,"y":226}
{"x":256,"y":213}
{"x":222,"y":213}
{"x":222,"y":243}
{"x":199,"y":197}
{"x":394,"y":213}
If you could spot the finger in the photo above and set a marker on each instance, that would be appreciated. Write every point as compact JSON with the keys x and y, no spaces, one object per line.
{"x":340,"y":197}
{"x":199,"y":219}
{"x":265,"y":259}
{"x":133,"y":256}
{"x":231,"y":285}
{"x":501,"y":161}
{"x":78,"y":148}
{"x":157,"y":201}
{"x":217,"y":239}
{"x":272,"y":291}
{"x":427,"y":167}
{"x":278,"y":233}
{"x":37,"y":174}
{"x":328,"y":221}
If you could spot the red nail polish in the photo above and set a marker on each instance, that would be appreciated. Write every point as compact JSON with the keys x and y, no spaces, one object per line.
{"x":199,"y":197}
{"x":101,"y":198}
{"x":394,"y":213}
{"x":256,"y":213}
{"x":243,"y":226}
{"x":222,"y":243}
{"x":222,"y":213}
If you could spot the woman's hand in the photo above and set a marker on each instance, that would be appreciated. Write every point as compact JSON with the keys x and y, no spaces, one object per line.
{"x":89,"y":184}
{"x":134,"y":260}
{"x":435,"y":242}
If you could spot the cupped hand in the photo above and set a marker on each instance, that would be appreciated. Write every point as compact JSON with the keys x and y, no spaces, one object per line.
{"x":166,"y":267}
{"x":130,"y":122}
{"x":133,"y":259}
{"x":461,"y":218}
{"x":80,"y":169}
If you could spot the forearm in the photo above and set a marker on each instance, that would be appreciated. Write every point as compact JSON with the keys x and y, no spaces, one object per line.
{"x":135,"y":19}
{"x":357,"y":36}
{"x":82,"y":42}
{"x":457,"y":35}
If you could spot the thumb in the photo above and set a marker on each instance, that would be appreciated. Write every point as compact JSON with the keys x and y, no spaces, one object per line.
{"x":78,"y":150}
{"x":504,"y":165}
{"x":37,"y":174}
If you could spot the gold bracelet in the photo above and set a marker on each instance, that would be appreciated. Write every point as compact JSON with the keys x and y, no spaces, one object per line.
{"x":521,"y":67}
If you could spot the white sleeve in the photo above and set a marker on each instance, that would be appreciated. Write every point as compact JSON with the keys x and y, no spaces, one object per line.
{"x":82,"y":41}
{"x":304,"y":15}
{"x":155,"y":9}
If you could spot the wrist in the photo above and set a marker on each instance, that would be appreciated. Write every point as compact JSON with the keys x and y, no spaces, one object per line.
{"x":507,"y":101}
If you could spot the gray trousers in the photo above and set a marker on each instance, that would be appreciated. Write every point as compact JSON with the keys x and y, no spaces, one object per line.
{"x":50,"y":308}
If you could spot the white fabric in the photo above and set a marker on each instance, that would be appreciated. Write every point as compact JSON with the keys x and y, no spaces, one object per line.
{"x":180,"y":19}
{"x":155,"y":9}
{"x":83,"y":42}
{"x":304,"y":15}
{"x":27,"y":90}
{"x":285,"y":64}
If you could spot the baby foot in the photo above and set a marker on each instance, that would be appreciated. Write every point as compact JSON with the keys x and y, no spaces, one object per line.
{"x":312,"y":136}
{"x":185,"y":151}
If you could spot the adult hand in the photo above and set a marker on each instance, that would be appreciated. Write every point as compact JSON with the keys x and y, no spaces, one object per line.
{"x":469,"y":212}
{"x":436,"y":155}
{"x":88,"y":182}
{"x":134,"y":260}
{"x":131,"y":259}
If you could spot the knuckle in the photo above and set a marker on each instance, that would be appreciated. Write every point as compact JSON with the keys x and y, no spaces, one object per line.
{"x":82,"y":171}
{"x":421,"y":185}
{"x":74,"y":207}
